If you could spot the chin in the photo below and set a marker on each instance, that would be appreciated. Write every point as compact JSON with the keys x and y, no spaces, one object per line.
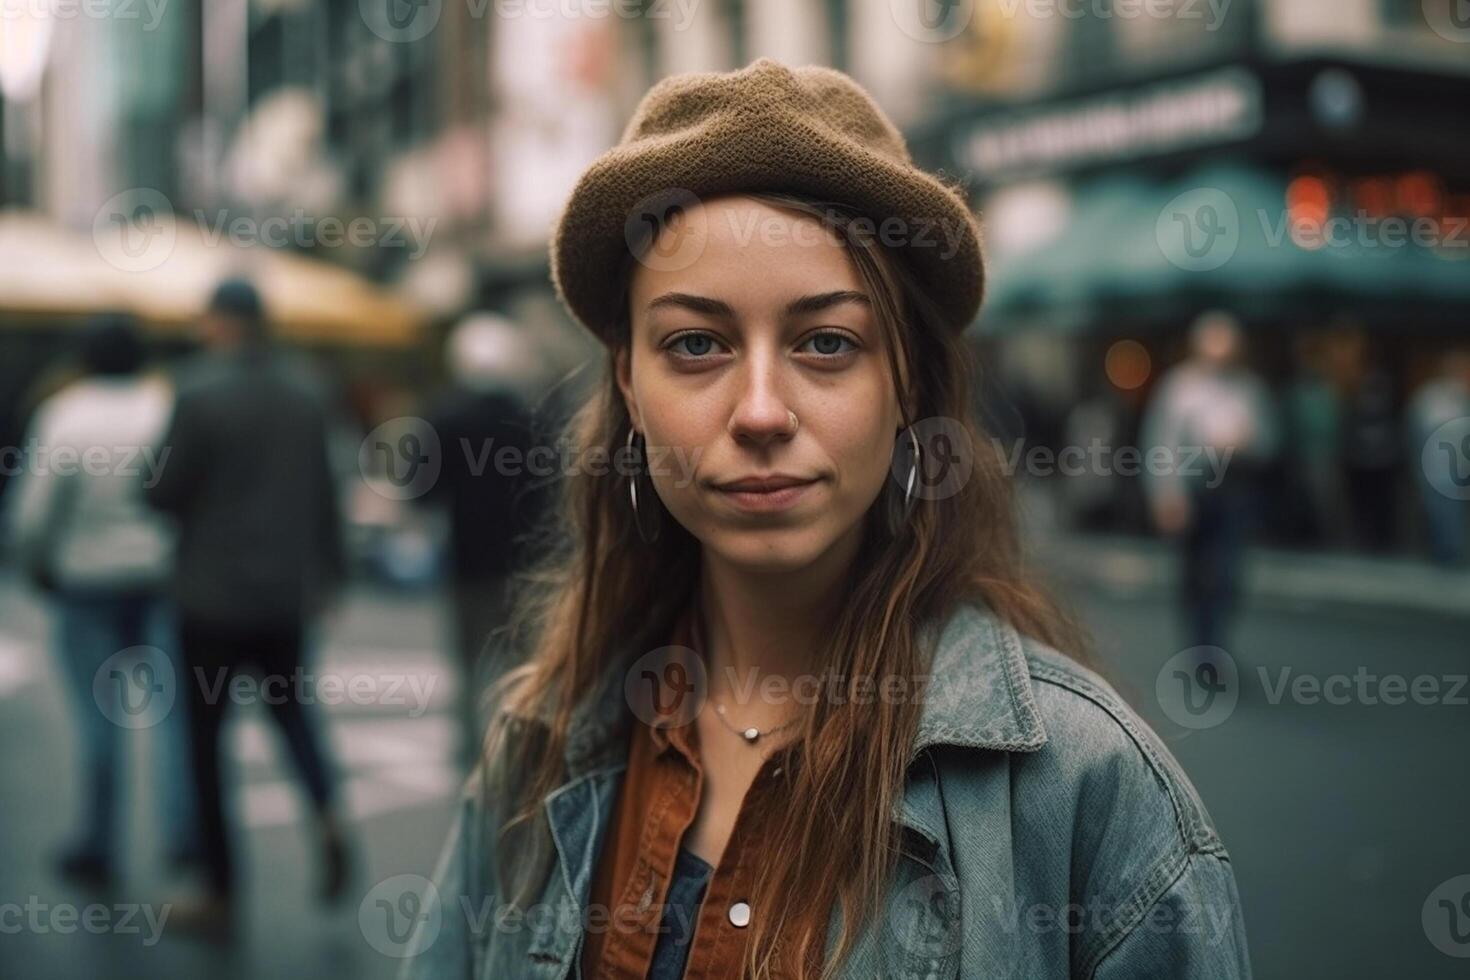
{"x":767,"y":550}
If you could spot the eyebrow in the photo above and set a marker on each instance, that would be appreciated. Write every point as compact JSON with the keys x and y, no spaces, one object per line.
{"x":814,"y":303}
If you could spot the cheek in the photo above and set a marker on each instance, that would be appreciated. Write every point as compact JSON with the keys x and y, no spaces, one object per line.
{"x":863,"y":455}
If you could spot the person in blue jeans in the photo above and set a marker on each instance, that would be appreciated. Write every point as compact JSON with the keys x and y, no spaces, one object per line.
{"x":86,"y":537}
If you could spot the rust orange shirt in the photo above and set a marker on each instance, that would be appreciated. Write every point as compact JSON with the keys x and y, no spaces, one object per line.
{"x":658,"y":802}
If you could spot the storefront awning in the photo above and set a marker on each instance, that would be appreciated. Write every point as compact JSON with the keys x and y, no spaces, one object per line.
{"x":1221,"y":234}
{"x":47,"y":270}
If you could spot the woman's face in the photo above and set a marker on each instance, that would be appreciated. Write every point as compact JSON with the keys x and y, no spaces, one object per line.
{"x":764,"y":316}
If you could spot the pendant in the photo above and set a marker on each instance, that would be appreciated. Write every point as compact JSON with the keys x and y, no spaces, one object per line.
{"x":751,"y":734}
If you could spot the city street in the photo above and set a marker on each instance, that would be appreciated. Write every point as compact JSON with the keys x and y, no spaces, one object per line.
{"x":1342,"y":818}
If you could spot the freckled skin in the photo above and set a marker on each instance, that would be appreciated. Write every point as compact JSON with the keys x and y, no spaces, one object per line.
{"x":721,"y":404}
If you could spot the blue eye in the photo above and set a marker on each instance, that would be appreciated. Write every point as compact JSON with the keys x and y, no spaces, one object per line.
{"x":702,"y":344}
{"x":829,"y":343}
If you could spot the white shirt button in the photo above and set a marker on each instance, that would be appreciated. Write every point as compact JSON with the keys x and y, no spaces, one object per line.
{"x":740,"y":915}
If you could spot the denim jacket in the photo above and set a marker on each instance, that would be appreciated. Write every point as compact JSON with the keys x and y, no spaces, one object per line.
{"x":1049,"y":833}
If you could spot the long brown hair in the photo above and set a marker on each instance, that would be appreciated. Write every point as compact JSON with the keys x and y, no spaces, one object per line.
{"x":603,"y":589}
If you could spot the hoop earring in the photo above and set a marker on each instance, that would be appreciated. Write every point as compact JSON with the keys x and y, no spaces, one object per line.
{"x":899,"y":512}
{"x":908,"y":490}
{"x":633,"y":494}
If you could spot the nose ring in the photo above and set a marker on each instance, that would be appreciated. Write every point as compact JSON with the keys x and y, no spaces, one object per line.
{"x":795,"y":422}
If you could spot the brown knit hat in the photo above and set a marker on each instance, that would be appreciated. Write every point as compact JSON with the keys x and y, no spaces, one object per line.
{"x":811,"y":131}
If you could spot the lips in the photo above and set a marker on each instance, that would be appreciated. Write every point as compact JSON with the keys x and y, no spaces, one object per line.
{"x":764,"y":484}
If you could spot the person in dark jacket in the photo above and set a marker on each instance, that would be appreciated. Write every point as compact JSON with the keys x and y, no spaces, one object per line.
{"x":496,"y":485}
{"x":260,"y":555}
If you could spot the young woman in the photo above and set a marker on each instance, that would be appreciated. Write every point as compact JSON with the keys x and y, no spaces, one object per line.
{"x":790,"y":707}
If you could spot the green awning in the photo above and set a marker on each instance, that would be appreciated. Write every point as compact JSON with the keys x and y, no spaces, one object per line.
{"x":1217,"y":235}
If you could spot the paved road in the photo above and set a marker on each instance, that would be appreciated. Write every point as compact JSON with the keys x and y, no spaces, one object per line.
{"x":1342,"y":818}
{"x":394,"y":752}
{"x":1342,"y":810}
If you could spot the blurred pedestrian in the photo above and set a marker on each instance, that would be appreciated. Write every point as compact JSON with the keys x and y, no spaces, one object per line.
{"x":260,"y":556}
{"x":85,"y":535}
{"x":1215,"y":419}
{"x":1442,"y":400}
{"x":1314,"y":422}
{"x":495,"y":488}
{"x":1372,"y":451}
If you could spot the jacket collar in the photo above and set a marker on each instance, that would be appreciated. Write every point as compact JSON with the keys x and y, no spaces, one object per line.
{"x":978,"y":696}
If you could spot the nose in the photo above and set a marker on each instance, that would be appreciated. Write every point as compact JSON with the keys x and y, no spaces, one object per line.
{"x":762,"y":412}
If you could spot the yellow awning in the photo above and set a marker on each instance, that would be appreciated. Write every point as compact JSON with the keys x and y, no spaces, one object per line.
{"x":47,"y":269}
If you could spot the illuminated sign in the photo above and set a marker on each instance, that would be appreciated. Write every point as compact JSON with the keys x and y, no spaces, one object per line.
{"x":1214,"y":108}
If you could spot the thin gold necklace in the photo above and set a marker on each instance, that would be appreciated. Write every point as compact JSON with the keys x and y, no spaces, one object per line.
{"x":751,"y":735}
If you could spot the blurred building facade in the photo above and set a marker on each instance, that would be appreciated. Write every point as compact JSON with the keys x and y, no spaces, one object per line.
{"x":1105,"y":142}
